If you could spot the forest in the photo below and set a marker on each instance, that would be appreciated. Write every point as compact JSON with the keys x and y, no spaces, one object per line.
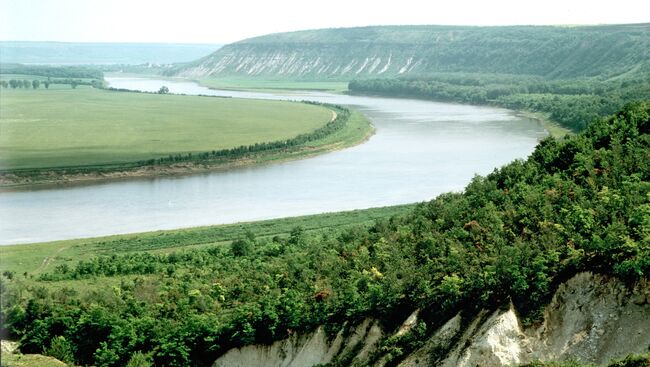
{"x":573,"y":103}
{"x":581,"y":203}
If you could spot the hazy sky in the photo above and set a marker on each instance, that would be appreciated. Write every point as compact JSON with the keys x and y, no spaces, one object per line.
{"x":204,"y":21}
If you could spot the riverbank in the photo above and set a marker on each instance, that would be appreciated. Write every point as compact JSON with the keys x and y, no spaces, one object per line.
{"x":37,"y":258}
{"x":554,"y":129}
{"x":355,"y":129}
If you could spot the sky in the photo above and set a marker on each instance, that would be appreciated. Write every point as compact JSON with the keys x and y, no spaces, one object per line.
{"x":218,"y":21}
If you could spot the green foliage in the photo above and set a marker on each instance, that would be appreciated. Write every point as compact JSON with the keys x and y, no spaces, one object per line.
{"x":139,"y":359}
{"x":577,"y":204}
{"x":573,"y":103}
{"x":633,"y":361}
{"x":241,"y":247}
{"x":60,"y":349}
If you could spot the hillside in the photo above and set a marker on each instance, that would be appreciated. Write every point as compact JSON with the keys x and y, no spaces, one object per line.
{"x":487,"y":338}
{"x":390,"y":51}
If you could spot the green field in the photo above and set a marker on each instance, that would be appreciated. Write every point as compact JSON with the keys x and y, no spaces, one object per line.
{"x":77,"y":127}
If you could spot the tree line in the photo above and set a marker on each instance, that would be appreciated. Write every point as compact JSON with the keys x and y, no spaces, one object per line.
{"x":36,"y":83}
{"x":572,"y":103}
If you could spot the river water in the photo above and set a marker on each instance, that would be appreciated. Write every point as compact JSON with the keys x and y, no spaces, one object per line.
{"x":420,"y":149}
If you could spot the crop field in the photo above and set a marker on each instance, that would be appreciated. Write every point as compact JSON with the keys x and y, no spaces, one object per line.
{"x":84,"y":126}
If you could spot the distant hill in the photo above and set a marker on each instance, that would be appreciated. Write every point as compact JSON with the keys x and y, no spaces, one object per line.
{"x":390,"y":51}
{"x":64,"y":53}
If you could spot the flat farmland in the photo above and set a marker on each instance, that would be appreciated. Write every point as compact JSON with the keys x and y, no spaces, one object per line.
{"x":42,"y":129}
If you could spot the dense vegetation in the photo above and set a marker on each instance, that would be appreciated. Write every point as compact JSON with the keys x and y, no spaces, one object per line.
{"x":581,"y":203}
{"x":572,"y":103}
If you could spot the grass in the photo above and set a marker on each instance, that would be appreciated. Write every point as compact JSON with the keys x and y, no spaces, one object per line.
{"x":40,"y":257}
{"x":77,"y":127}
{"x":30,"y":360}
{"x":273,"y":85}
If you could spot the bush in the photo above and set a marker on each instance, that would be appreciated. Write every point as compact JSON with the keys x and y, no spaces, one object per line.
{"x":60,"y":349}
{"x":139,"y":359}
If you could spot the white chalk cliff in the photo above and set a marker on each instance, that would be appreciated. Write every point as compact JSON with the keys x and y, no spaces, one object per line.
{"x":591,"y":319}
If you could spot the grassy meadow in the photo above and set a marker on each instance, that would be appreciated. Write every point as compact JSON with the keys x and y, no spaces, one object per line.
{"x":84,"y":126}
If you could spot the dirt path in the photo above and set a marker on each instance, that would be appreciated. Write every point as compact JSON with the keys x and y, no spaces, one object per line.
{"x":48,"y":259}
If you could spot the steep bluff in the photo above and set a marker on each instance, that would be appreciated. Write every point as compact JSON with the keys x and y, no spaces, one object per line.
{"x":389,"y":51}
{"x":590,"y":319}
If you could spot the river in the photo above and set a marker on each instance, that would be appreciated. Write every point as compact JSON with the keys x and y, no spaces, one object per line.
{"x":420,"y":149}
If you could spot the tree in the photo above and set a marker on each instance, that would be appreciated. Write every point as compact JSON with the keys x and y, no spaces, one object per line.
{"x":241,"y":247}
{"x":26,"y":84}
{"x":163,"y":90}
{"x":46,"y":84}
{"x":139,"y":359}
{"x":74,"y":84}
{"x":5,"y":84}
{"x":61,"y":349}
{"x":13,"y":83}
{"x":35,"y":84}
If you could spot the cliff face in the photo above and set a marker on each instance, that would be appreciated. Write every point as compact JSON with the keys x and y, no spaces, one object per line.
{"x":308,"y":350}
{"x":309,"y":61}
{"x":591,"y":319}
{"x":389,"y":51}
